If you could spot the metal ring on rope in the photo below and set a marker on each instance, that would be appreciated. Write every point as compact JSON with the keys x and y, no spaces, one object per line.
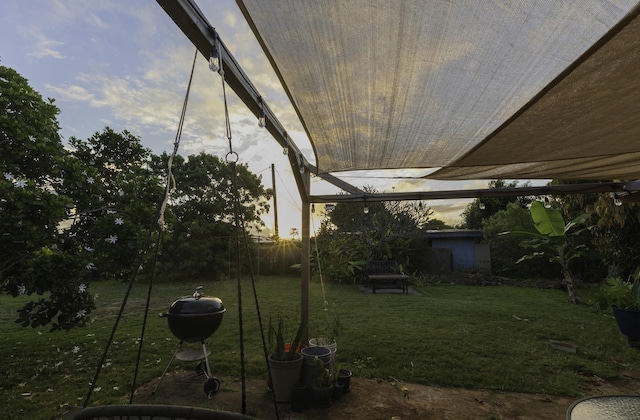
{"x":230,"y":155}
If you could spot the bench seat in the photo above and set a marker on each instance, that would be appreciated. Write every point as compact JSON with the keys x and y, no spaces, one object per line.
{"x":381,"y":274}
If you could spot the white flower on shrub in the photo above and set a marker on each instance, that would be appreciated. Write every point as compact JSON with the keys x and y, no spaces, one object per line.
{"x":90,"y":180}
{"x":83,"y":287}
{"x":89,"y":266}
{"x":112,"y":239}
{"x":21,"y":183}
{"x":119,"y":221}
{"x":81,"y":314}
{"x":22,"y":289}
{"x":8,"y":176}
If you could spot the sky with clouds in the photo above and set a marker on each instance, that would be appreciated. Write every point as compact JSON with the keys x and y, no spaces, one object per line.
{"x":126,"y":65}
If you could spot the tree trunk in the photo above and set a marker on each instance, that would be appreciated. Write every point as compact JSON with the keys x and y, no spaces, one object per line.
{"x":568,"y":281}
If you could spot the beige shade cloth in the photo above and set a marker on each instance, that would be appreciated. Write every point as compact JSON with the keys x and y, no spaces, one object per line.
{"x":480,"y":89}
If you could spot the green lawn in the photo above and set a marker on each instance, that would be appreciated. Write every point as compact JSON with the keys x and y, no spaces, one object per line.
{"x":475,"y":337}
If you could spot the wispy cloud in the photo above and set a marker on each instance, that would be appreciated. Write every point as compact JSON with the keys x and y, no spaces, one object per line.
{"x":72,"y":93}
{"x":47,"y":48}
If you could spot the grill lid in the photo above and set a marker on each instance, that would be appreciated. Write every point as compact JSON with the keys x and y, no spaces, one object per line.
{"x":197,"y":304}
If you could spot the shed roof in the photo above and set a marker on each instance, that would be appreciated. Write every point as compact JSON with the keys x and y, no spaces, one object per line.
{"x":454,"y":234}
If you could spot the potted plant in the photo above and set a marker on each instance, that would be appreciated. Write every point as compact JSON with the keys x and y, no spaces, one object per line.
{"x":328,"y":332}
{"x":285,"y":362}
{"x":322,"y":388}
{"x":344,"y":377}
{"x":338,"y":385}
{"x":624,"y":297}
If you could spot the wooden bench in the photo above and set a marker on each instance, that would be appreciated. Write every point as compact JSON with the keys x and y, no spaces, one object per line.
{"x":385,"y":274}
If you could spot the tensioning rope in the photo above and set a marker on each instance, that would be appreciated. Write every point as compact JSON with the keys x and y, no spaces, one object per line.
{"x":315,"y":242}
{"x":232,"y":158}
{"x":170,"y":187}
{"x":159,"y":216}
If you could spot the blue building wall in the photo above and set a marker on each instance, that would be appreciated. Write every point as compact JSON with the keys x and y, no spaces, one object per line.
{"x":462,"y":244}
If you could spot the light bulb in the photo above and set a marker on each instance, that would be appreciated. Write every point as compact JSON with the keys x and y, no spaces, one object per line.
{"x":262,"y":121}
{"x":365,"y":210}
{"x":302,"y":169}
{"x":285,"y":149}
{"x":547,"y":204}
{"x":481,"y":205}
{"x":313,"y":208}
{"x":616,"y":200}
{"x":214,"y":59}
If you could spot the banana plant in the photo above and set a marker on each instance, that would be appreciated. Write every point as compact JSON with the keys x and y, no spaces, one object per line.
{"x":555,"y":240}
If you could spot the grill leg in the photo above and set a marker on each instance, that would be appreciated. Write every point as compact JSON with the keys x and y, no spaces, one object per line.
{"x":206,"y":360}
{"x":213,"y":384}
{"x":167,"y":368}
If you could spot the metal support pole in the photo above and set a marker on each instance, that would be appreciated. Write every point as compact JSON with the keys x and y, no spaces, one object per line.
{"x":305,"y":266}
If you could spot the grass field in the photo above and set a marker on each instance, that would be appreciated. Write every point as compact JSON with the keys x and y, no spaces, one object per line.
{"x":462,"y":336}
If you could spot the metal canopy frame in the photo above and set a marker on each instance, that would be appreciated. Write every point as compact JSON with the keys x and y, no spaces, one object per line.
{"x":190,"y":19}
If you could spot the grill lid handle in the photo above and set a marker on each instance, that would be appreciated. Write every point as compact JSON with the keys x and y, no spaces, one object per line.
{"x":197,"y":293}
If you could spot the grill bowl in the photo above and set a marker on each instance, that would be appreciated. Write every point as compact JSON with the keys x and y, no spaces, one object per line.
{"x":194,"y":319}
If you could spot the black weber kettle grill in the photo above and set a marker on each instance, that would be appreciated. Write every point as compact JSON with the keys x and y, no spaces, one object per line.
{"x":193,"y":319}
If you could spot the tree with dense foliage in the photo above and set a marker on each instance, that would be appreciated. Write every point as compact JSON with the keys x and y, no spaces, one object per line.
{"x":116,"y":198}
{"x":33,"y":162}
{"x":506,"y":250}
{"x":352,"y":233}
{"x":69,"y":216}
{"x":201,"y":213}
{"x":31,"y":158}
{"x":483,"y":208}
{"x":615,"y":236}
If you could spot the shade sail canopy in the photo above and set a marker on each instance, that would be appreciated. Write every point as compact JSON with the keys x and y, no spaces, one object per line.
{"x":475,"y":88}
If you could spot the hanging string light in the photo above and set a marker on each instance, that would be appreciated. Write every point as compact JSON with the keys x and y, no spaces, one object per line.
{"x":285,"y":149}
{"x":303,"y":169}
{"x":547,"y":203}
{"x":365,"y":210}
{"x":214,"y":57}
{"x":313,"y":207}
{"x":616,"y":200}
{"x":262,"y":120}
{"x":481,"y":205}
